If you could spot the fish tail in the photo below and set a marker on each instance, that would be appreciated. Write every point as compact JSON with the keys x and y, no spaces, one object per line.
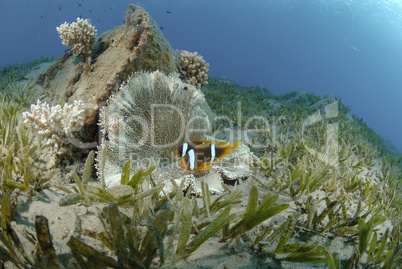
{"x":234,"y":145}
{"x":229,"y":149}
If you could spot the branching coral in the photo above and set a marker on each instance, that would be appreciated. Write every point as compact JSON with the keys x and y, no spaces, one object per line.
{"x":80,"y":36}
{"x":55,"y":123}
{"x":194,"y":68}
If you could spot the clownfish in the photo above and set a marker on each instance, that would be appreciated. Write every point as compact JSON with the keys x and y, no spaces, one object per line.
{"x":198,"y":155}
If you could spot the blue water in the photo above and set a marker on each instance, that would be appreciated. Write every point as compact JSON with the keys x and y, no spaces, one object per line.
{"x":350,"y":49}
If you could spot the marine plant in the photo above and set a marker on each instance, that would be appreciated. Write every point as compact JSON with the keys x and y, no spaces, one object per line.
{"x":149,"y":237}
{"x":12,"y":249}
{"x":360,"y":178}
{"x":21,"y":166}
{"x":349,"y":200}
{"x":87,"y":194}
{"x":224,"y":97}
{"x":21,"y":94}
{"x":17,"y":72}
{"x":352,"y":210}
{"x":19,"y":159}
{"x":161,"y":223}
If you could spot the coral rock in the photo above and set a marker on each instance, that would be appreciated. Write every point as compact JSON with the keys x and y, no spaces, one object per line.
{"x":137,"y":45}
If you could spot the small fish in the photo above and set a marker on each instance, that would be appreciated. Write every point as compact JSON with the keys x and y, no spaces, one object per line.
{"x":199,"y":155}
{"x":162,"y":27}
{"x":168,"y":11}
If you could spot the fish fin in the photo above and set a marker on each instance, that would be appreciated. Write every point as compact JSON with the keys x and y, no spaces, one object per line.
{"x":235,"y":145}
{"x":199,"y":142}
{"x":228,"y":150}
{"x":221,"y":143}
{"x":178,"y":153}
{"x":203,"y":166}
{"x":182,"y":164}
{"x":198,"y":168}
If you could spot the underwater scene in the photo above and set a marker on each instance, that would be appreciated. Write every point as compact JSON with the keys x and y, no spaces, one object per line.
{"x":201,"y":134}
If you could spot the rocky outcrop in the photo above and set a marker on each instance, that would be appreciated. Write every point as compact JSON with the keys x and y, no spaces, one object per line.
{"x":126,"y":49}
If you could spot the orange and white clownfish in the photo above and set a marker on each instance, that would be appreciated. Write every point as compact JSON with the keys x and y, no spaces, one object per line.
{"x":198,"y":155}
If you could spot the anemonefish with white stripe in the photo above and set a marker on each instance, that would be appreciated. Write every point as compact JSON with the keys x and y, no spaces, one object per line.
{"x":199,"y":155}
